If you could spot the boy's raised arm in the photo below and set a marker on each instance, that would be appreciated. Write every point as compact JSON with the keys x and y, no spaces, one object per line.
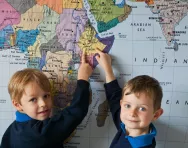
{"x":85,"y":70}
{"x":112,"y":89}
{"x":105,"y":62}
{"x":73,"y":115}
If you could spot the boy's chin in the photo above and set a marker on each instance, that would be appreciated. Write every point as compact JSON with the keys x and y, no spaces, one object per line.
{"x":132,"y":124}
{"x":42,"y":118}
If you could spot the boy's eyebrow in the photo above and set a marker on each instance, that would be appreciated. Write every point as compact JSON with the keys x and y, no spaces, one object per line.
{"x":31,"y":95}
{"x":145,"y":105}
{"x":126,"y":101}
{"x":128,"y":93}
{"x":138,"y":104}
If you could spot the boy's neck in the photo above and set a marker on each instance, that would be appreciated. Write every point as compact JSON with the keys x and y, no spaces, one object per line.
{"x":137,"y":132}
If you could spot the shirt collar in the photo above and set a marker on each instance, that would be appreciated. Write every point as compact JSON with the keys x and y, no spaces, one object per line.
{"x":143,"y":140}
{"x":21,"y":117}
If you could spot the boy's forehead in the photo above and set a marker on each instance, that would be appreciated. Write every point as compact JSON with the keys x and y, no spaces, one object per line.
{"x":139,"y":94}
{"x":30,"y":87}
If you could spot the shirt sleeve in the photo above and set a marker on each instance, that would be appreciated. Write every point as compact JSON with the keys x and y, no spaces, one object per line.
{"x":64,"y":123}
{"x":113,"y":95}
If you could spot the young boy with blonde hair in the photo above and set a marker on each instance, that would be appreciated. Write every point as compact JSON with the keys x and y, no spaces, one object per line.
{"x":134,"y":108}
{"x":30,"y":92}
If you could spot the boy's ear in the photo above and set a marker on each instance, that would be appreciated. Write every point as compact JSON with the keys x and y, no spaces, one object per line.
{"x":17,"y":105}
{"x":120,"y":102}
{"x":157,"y":114}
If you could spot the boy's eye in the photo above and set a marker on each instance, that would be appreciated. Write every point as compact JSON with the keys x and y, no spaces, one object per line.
{"x":127,"y":106}
{"x":33,"y":100}
{"x":46,"y":96}
{"x":142,"y":109}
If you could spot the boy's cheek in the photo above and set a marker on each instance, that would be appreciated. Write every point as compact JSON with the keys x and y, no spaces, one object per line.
{"x":50,"y":114}
{"x":122,"y":114}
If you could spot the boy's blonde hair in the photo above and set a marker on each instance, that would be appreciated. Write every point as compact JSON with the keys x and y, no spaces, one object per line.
{"x":21,"y":78}
{"x":145,"y":84}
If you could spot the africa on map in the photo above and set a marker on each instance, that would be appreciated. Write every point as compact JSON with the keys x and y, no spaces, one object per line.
{"x":142,"y":36}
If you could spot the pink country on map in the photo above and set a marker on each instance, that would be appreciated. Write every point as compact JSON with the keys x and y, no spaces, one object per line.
{"x":9,"y":16}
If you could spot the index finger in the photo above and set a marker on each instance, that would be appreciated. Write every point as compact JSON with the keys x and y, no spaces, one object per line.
{"x":83,"y":57}
{"x":99,"y":51}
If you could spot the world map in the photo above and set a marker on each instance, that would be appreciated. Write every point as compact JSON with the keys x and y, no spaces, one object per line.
{"x":142,"y":36}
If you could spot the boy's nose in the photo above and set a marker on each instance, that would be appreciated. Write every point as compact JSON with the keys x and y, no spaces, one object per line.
{"x":42,"y":103}
{"x":132,"y":113}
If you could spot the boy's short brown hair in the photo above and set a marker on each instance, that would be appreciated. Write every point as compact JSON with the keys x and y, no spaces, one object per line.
{"x":21,"y":78}
{"x":148,"y":85}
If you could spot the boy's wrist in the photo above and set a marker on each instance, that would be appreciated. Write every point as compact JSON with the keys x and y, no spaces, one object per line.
{"x":108,"y":70}
{"x":109,"y":76}
{"x":83,"y":78}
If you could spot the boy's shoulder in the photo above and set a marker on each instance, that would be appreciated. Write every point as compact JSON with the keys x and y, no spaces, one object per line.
{"x":121,"y":140}
{"x":144,"y":141}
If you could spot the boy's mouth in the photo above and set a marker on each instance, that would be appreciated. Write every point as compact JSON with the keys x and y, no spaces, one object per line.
{"x":44,"y":111}
{"x":133,"y":121}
